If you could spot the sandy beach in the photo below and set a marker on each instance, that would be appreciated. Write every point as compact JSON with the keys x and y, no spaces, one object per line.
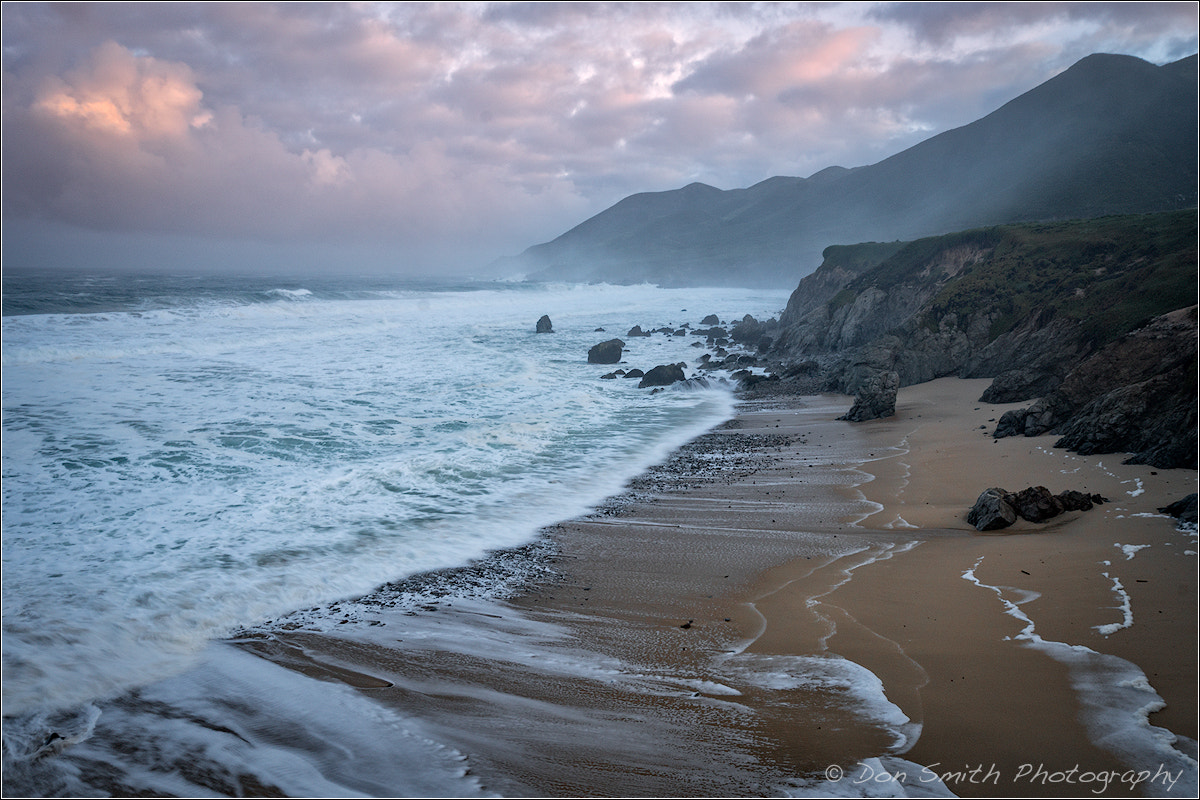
{"x":796,"y":605}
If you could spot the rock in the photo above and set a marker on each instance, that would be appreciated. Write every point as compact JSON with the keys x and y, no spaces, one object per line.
{"x":805,"y":368}
{"x":874,"y":395}
{"x":1016,"y":385}
{"x":544,"y":325}
{"x":992,"y":511}
{"x":711,"y":320}
{"x":636,"y":330}
{"x":1035,"y":504}
{"x":608,"y":377}
{"x":606,"y":352}
{"x":712,"y":334}
{"x":662,"y":375}
{"x":998,"y":508}
{"x":752,"y":332}
{"x":1012,"y":423}
{"x":1075,"y":501}
{"x":634,"y":373}
{"x":752,"y":380}
{"x":1184,"y":510}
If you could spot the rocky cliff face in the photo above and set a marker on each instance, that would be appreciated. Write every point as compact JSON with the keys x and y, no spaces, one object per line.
{"x":1070,"y":314}
{"x":1136,"y":395}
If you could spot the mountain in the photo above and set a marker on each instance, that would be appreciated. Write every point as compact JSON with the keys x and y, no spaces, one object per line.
{"x":1094,"y":320}
{"x":1111,"y":135}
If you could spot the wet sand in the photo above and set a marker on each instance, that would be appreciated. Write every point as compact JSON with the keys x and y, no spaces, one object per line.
{"x":792,"y":593}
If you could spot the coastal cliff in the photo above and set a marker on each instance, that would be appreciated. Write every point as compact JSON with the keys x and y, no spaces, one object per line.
{"x":1093,"y":319}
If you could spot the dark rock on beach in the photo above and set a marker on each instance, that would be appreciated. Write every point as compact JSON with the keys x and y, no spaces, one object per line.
{"x":874,"y":394}
{"x":662,"y":375}
{"x":998,"y":508}
{"x":544,"y":325}
{"x":1036,"y":504}
{"x":1183,"y":510}
{"x":606,"y":352}
{"x":991,"y":511}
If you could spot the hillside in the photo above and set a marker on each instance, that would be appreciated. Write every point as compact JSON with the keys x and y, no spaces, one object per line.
{"x":1089,"y":317}
{"x":1111,"y":135}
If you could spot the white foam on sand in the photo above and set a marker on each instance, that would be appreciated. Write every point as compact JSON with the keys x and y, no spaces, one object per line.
{"x":1130,"y":550}
{"x":1117,"y":701}
{"x":1125,"y":607}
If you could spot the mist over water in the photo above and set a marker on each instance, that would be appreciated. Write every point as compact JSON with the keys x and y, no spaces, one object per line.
{"x":183,"y":457}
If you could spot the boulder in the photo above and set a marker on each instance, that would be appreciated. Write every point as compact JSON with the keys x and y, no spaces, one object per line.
{"x":636,"y":330}
{"x":544,"y":325}
{"x":992,"y":511}
{"x":1075,"y":501}
{"x":634,"y":373}
{"x":710,"y":320}
{"x":747,"y":330}
{"x":1183,"y":510}
{"x":1012,"y":423}
{"x":662,"y":375}
{"x":874,"y":395}
{"x":606,"y":352}
{"x":1035,"y":504}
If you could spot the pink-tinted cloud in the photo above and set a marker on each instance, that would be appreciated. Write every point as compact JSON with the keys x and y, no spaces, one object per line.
{"x":474,"y":130}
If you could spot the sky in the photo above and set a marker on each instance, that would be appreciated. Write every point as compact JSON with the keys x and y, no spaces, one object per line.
{"x":434,"y":138}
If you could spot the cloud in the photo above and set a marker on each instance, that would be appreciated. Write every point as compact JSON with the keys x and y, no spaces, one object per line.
{"x":126,"y":142}
{"x":474,"y":130}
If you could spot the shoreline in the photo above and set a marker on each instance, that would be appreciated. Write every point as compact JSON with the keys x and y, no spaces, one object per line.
{"x":790,"y":593}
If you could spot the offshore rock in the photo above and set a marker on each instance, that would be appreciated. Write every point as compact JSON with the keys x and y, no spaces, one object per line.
{"x":662,"y":375}
{"x":874,"y":394}
{"x":544,"y":325}
{"x":710,"y":320}
{"x":636,"y":330}
{"x":606,"y":352}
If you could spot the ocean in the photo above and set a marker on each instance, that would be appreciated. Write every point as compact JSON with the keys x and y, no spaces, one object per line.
{"x":188,"y":457}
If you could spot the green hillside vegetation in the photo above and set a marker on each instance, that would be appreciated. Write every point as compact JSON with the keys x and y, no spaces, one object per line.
{"x":1110,"y":274}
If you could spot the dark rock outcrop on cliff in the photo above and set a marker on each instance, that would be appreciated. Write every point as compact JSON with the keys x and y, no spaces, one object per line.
{"x":1094,"y":319}
{"x":1111,"y":135}
{"x":1136,"y":395}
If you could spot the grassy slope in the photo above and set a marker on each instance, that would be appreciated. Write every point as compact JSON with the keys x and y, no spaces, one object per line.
{"x":1111,"y":274}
